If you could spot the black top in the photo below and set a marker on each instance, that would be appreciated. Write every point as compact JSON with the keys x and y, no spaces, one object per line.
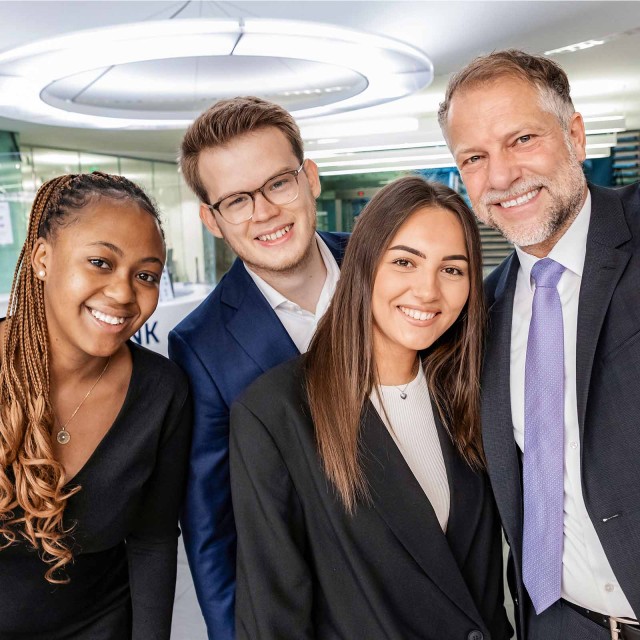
{"x":125,"y":536}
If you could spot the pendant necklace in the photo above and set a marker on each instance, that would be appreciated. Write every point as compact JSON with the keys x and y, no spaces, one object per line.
{"x":63,"y":436}
{"x":403,"y":389}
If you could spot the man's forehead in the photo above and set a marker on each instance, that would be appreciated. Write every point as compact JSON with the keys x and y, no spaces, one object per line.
{"x":491,"y":90}
{"x":226,"y":173}
{"x":501,"y":108}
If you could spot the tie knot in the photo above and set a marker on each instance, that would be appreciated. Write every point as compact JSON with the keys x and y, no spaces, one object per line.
{"x":547,"y":273}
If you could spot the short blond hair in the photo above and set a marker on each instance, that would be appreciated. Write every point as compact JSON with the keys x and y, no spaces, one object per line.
{"x":224,"y":121}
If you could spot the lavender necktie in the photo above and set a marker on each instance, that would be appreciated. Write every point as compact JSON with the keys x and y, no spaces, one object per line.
{"x":543,"y":467}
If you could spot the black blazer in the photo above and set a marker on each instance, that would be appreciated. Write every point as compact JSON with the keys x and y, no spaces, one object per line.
{"x":608,"y":375}
{"x":308,"y":570}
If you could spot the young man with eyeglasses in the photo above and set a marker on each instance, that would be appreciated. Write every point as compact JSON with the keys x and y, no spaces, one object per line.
{"x":243,"y":158}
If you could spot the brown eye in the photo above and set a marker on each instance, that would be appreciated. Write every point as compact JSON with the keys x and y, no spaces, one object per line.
{"x":151,"y":278}
{"x":99,"y":262}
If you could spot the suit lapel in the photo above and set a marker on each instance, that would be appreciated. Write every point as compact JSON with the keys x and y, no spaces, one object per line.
{"x":254,"y":324}
{"x":401,"y":503}
{"x":497,"y":423}
{"x":604,"y":264}
{"x":467,"y":496}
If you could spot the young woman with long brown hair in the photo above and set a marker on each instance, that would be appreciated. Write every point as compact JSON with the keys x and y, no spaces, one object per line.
{"x":361,"y":504}
{"x":94,"y":430}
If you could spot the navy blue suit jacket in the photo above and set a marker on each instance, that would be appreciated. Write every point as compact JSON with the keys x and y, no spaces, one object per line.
{"x":225,"y":344}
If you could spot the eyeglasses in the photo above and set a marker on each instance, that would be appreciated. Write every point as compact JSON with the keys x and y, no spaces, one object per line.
{"x":239,"y":207}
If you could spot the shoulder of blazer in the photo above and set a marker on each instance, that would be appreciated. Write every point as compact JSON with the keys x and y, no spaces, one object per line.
{"x":630,"y":194}
{"x":613,"y":216}
{"x":336,"y":241}
{"x":209,"y":316}
{"x":494,"y":280}
{"x":287,"y":379}
{"x":630,"y":198}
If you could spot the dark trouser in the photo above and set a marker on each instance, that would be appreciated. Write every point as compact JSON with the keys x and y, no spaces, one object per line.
{"x":560,"y":622}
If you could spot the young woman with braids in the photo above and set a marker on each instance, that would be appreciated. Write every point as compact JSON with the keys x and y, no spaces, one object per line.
{"x":94,"y":430}
{"x":361,"y":506}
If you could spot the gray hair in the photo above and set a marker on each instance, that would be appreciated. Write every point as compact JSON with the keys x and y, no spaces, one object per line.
{"x":547,"y":76}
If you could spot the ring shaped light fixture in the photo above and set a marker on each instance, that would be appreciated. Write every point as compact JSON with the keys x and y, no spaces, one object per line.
{"x":385,"y":69}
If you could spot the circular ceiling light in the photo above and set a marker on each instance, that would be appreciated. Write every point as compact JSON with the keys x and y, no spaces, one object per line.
{"x":184,"y":87}
{"x":161,"y":74}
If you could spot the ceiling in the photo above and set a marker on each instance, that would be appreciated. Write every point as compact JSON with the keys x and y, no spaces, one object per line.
{"x":605,"y":79}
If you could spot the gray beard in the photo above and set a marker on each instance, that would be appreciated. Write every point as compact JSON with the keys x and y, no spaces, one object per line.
{"x":560,"y":217}
{"x":561,"y":213}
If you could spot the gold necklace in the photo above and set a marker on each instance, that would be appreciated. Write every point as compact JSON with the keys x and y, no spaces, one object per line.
{"x":63,"y":436}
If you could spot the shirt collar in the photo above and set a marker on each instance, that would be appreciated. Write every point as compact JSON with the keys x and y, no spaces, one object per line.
{"x":275,"y":298}
{"x":569,"y":251}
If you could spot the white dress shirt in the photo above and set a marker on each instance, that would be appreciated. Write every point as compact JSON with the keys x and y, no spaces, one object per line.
{"x":587,"y":577}
{"x":299,"y":323}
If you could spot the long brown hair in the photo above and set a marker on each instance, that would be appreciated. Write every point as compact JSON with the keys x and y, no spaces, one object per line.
{"x":32,"y":491}
{"x":340,"y":365}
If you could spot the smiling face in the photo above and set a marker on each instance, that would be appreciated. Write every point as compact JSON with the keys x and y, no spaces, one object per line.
{"x":421,"y":285}
{"x":101,"y":276}
{"x":522,"y":171}
{"x":279,"y":237}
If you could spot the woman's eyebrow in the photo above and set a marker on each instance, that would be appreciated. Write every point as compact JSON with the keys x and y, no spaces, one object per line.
{"x":403,"y":247}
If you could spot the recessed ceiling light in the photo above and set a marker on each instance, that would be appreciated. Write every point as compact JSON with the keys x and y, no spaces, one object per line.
{"x":362,"y":128}
{"x":572,"y":48}
{"x":325,"y":153}
{"x":387,"y":160}
{"x":606,"y":130}
{"x":405,"y":167}
{"x":602,"y":119}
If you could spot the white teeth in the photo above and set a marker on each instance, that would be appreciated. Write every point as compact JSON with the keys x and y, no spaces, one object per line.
{"x":520,"y":199}
{"x":417,"y":315}
{"x":106,"y":318}
{"x":276,"y":235}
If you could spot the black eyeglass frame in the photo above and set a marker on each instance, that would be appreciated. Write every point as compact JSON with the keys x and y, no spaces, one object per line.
{"x":252,"y":194}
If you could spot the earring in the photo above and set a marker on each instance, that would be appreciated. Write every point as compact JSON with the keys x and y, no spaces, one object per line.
{"x":42,"y":273}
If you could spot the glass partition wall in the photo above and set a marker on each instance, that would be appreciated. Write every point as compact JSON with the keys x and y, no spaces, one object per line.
{"x":191,"y":255}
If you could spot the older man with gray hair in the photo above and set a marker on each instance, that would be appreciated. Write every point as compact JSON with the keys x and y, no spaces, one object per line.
{"x":560,"y":398}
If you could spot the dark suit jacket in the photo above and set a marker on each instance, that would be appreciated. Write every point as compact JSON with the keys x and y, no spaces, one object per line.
{"x":306,"y":569}
{"x":223,"y":345}
{"x":608,"y":375}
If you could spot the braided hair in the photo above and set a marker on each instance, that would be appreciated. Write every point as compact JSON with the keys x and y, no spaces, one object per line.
{"x":32,"y":482}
